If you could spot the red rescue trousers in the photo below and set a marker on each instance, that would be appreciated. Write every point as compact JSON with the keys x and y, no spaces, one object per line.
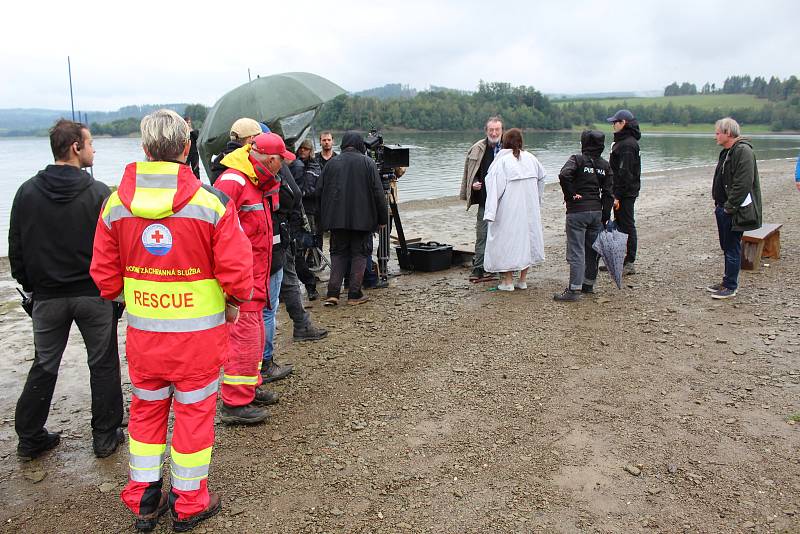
{"x":192,"y":440}
{"x":242,"y":370}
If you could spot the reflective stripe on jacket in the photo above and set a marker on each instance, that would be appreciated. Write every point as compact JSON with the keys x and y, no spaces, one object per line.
{"x":257,"y":225}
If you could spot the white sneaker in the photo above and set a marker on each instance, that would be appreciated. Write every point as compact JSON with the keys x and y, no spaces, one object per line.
{"x":521,"y":284}
{"x":504,"y":287}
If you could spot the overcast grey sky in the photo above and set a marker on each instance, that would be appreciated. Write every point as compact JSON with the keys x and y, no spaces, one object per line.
{"x":147,"y":52}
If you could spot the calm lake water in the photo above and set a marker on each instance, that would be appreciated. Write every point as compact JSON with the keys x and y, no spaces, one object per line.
{"x":436,"y":162}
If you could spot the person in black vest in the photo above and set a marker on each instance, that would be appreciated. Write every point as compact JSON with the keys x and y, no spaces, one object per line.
{"x":586,"y":181}
{"x":626,"y":164}
{"x":53,"y":222}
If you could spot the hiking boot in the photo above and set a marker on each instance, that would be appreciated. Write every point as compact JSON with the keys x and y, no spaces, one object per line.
{"x":187,"y":524}
{"x":105,"y":450}
{"x":26,"y":454}
{"x":148,"y":522}
{"x":310,"y":332}
{"x":627,"y":269}
{"x":714,"y":288}
{"x":275,"y":371}
{"x":587,"y":289}
{"x":265,"y":397}
{"x":312,"y":293}
{"x":243,"y":415}
{"x":723,"y":293}
{"x":568,"y":295}
{"x":354,"y":301}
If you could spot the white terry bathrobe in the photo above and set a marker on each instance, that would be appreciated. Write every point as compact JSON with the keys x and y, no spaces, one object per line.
{"x":514,"y":189}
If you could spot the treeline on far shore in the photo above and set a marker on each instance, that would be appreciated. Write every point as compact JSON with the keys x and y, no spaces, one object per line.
{"x":525,"y":107}
{"x":125,"y":127}
{"x":774,"y":104}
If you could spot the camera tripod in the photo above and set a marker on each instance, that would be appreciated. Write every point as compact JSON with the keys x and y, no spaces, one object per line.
{"x":317,"y":261}
{"x":384,"y":235}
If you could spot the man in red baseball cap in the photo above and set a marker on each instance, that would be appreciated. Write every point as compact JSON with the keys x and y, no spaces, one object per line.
{"x":271,"y":144}
{"x":250,"y":180}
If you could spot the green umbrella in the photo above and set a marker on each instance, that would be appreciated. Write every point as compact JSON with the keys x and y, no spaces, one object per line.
{"x":287,"y":102}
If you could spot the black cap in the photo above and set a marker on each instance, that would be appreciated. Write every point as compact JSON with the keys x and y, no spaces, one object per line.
{"x":621,"y":115}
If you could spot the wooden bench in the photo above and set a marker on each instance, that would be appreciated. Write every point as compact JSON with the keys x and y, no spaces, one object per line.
{"x":764,"y":242}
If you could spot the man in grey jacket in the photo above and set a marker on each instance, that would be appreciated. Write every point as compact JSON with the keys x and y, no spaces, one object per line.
{"x":473,"y":190}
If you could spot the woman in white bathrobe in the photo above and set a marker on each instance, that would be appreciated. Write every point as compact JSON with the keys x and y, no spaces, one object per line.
{"x":514,"y":189}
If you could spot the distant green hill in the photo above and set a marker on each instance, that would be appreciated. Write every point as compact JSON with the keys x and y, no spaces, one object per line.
{"x":390,"y":90}
{"x":705,"y":102}
{"x":685,"y":110}
{"x":29,"y":121}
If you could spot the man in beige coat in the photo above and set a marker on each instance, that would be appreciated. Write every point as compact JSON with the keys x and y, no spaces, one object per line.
{"x":473,"y":189}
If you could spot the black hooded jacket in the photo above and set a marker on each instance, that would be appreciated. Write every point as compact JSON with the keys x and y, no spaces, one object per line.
{"x":625,"y":161}
{"x":217,"y":168}
{"x":587,"y":174}
{"x":350,"y":190}
{"x":306,"y":174}
{"x":51,"y":234}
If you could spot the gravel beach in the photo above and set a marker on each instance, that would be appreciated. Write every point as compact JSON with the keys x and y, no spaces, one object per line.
{"x":443,"y":406}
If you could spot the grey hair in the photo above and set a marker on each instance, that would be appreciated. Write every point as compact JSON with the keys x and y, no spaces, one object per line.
{"x":728,"y":126}
{"x":164,"y":135}
{"x":493,"y":118}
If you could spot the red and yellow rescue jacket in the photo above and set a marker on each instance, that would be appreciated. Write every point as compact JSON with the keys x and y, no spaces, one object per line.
{"x":174,"y":247}
{"x":249,"y":192}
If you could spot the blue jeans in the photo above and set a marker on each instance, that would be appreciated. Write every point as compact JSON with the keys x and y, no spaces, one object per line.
{"x":730,"y":242}
{"x":269,"y":314}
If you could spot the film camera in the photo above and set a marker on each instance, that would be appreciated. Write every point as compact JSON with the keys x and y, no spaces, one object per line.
{"x":386,"y":157}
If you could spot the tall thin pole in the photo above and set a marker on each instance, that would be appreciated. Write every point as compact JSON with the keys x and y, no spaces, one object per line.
{"x":249,"y":79}
{"x":71,"y":101}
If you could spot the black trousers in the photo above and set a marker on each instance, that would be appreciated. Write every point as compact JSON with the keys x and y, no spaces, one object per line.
{"x":290,"y":295}
{"x":348,"y":248}
{"x":52,"y":320}
{"x":627,"y":224}
{"x":304,"y":274}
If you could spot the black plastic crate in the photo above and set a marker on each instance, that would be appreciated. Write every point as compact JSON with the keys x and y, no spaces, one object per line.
{"x":427,"y":257}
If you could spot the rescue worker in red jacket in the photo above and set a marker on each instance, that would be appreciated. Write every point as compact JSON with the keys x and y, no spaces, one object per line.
{"x":250,"y":182}
{"x":174,"y":250}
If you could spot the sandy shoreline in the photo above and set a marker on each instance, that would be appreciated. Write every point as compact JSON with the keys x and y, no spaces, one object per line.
{"x":486,"y":412}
